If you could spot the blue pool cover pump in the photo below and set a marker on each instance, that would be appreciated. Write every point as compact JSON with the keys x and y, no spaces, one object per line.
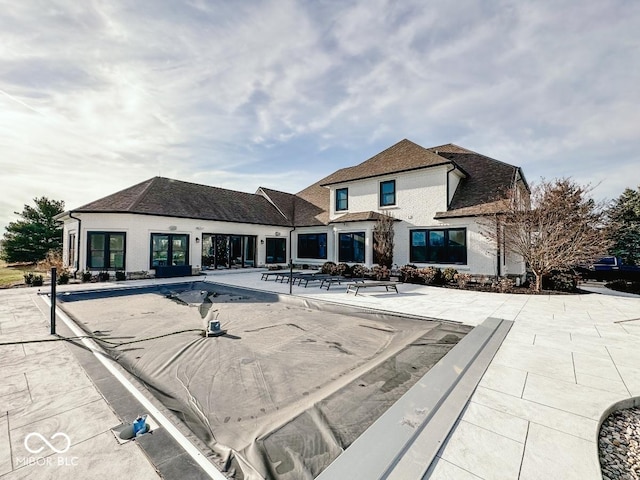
{"x":214,"y":330}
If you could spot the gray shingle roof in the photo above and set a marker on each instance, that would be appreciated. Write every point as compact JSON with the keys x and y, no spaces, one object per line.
{"x":174,"y":198}
{"x":484,"y":188}
{"x":401,"y":157}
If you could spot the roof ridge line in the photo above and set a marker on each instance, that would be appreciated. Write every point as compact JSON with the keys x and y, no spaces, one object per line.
{"x":142,"y":194}
{"x":268,"y":198}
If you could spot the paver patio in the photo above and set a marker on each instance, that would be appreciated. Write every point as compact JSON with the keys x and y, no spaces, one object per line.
{"x":534,"y":414}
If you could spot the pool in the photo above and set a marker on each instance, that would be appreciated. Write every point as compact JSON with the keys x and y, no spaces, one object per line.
{"x":291,"y":384}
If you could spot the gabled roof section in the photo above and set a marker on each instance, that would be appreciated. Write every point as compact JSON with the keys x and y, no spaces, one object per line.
{"x":312,"y":206}
{"x":369,"y":216}
{"x":486,"y":186}
{"x":401,"y":157}
{"x":174,"y":198}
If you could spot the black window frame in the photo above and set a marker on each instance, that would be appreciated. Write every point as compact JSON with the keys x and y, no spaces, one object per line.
{"x":106,"y":251}
{"x":71,"y":250}
{"x":382,"y":195}
{"x":351,"y":258}
{"x":309,"y":247}
{"x":435,"y":254}
{"x":275,"y":258}
{"x":169,"y":249}
{"x":346,"y":199}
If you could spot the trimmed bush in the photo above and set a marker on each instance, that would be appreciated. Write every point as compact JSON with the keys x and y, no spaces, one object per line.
{"x":381,"y":272}
{"x":120,"y":276}
{"x":462,"y":279}
{"x":561,"y":281}
{"x":86,"y":276}
{"x":449,"y":274}
{"x":344,"y":269}
{"x":63,"y":278}
{"x":28,"y":278}
{"x":329,"y":268}
{"x":408,"y":274}
{"x":103,"y":276}
{"x":504,"y":284}
{"x":37,"y":281}
{"x":359,"y":271}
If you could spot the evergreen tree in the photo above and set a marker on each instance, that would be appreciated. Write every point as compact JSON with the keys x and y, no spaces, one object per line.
{"x":624,"y":227}
{"x":35,"y":233}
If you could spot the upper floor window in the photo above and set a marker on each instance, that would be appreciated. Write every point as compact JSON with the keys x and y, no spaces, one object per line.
{"x":387,"y":193}
{"x":438,"y":246}
{"x":106,"y":250}
{"x":342,"y":199}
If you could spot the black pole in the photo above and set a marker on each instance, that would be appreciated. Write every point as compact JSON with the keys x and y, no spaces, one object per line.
{"x":53,"y":301}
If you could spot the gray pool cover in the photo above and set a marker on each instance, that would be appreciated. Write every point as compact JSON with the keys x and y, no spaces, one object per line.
{"x":290,"y":386}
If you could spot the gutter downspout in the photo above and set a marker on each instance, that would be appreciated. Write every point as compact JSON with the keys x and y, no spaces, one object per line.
{"x":293,"y":223}
{"x":78,"y":242}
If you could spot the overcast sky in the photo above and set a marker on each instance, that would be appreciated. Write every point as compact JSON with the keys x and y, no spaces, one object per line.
{"x":97,"y":96}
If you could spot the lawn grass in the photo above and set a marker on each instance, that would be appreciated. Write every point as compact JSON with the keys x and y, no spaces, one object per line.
{"x":14,"y":275}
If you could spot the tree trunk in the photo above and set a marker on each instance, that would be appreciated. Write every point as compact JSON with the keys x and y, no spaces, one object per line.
{"x":538,"y":281}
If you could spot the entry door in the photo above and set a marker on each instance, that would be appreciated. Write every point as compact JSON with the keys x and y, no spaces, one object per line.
{"x":276,"y":250}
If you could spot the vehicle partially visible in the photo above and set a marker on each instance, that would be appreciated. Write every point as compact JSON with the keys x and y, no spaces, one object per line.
{"x":610,"y":268}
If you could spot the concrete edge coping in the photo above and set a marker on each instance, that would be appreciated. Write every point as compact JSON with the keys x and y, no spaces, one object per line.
{"x":405,"y":440}
{"x":625,"y":404}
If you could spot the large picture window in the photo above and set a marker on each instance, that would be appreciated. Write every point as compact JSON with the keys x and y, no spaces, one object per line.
{"x":351,"y":247}
{"x":312,"y":245}
{"x":169,"y":249}
{"x":106,"y":250}
{"x":387,"y":193}
{"x":448,"y":246}
{"x":342,"y":199}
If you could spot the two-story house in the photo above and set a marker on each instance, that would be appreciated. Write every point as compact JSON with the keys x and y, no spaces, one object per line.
{"x":438,"y":197}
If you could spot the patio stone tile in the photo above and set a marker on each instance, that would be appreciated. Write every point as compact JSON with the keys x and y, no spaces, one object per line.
{"x":496,"y":421}
{"x":97,"y":417}
{"x":54,"y":405}
{"x":504,"y":379}
{"x":551,"y":454}
{"x":535,"y":359}
{"x":443,"y":470}
{"x":605,"y":384}
{"x":569,"y":423}
{"x":597,"y":366}
{"x":13,"y":384}
{"x":5,"y":447}
{"x":628,"y":355}
{"x":631,"y":378}
{"x":484,"y":453}
{"x":579,"y":399}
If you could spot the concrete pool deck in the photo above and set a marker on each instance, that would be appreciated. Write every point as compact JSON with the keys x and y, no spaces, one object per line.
{"x":535,"y":413}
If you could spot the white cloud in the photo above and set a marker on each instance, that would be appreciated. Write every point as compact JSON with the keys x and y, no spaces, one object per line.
{"x":280,"y":93}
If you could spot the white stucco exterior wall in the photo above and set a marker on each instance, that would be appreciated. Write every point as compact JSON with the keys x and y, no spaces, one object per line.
{"x":138,"y":229}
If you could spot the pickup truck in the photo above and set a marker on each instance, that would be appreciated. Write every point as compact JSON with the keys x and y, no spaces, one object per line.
{"x":610,"y":268}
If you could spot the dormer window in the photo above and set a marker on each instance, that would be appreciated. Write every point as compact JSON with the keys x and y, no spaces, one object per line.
{"x":387,"y":193}
{"x":342,"y":199}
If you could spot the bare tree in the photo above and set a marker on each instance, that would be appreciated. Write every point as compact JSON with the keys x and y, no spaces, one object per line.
{"x":383,"y":240}
{"x":557,"y":228}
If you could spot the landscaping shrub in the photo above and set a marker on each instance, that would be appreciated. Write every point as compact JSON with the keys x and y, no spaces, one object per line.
{"x":359,"y":271}
{"x":120,"y":276}
{"x":462,"y":279}
{"x":561,"y":281}
{"x":504,"y":284}
{"x":329,"y":268}
{"x":28,"y":278}
{"x":431,"y":276}
{"x":408,"y":274}
{"x":37,"y":281}
{"x":381,"y":272}
{"x":86,"y":276}
{"x":343,"y":269}
{"x":103,"y":276}
{"x":63,"y":277}
{"x":624,"y":286}
{"x":449,"y":274}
